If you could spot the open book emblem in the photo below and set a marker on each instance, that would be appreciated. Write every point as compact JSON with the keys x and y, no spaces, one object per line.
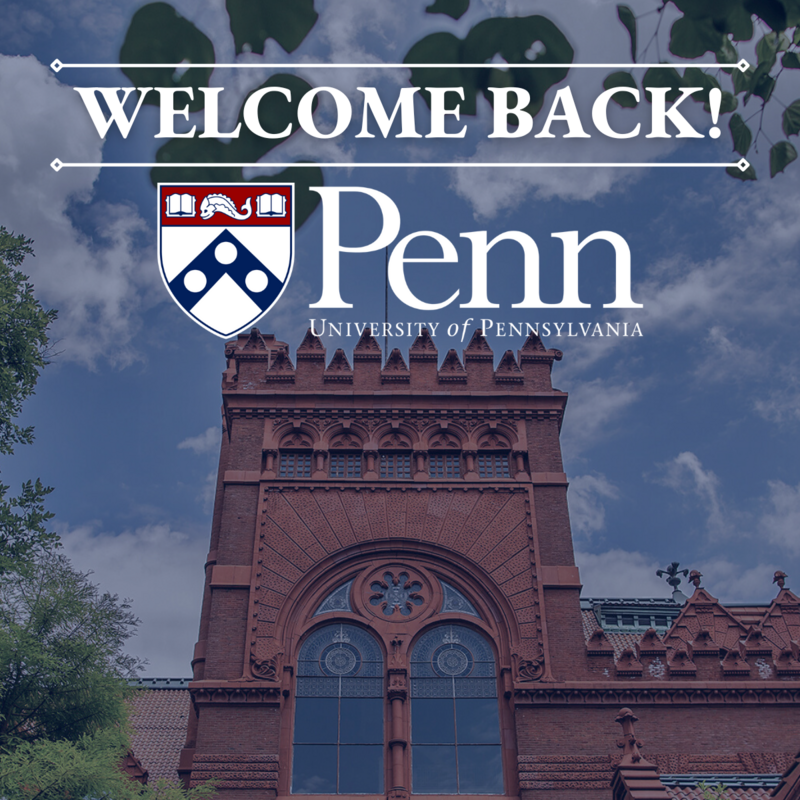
{"x":226,"y":251}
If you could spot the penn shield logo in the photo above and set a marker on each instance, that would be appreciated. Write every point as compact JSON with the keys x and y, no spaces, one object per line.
{"x":226,"y":250}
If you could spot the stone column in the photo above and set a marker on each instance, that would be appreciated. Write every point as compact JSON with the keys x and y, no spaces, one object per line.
{"x":398,"y":692}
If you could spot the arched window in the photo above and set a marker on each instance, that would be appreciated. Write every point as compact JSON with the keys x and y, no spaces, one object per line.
{"x":455,"y":726}
{"x":345,"y":456}
{"x":295,"y":456}
{"x":338,"y":722}
{"x":395,"y":450}
{"x":444,"y":458}
{"x":493,"y":455}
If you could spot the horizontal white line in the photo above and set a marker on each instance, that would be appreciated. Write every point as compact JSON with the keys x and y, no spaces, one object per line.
{"x":58,"y":165}
{"x":436,"y":65}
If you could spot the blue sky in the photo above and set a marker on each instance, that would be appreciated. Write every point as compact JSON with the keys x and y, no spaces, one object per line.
{"x":680,"y":445}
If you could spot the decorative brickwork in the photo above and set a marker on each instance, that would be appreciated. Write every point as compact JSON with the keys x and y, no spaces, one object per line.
{"x":394,"y":486}
{"x":236,"y":771}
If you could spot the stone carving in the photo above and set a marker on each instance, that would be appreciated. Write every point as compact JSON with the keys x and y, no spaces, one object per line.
{"x":444,"y":441}
{"x":396,"y":440}
{"x":493,"y":441}
{"x":296,"y":439}
{"x":780,"y":578}
{"x":346,"y":441}
{"x":530,"y":670}
{"x":267,"y":669}
{"x":396,"y":593}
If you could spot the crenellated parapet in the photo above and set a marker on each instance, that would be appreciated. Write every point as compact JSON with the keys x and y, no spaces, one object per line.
{"x":259,"y":361}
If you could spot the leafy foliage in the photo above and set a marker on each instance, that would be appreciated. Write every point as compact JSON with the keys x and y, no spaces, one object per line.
{"x":88,"y":767}
{"x":453,"y":8}
{"x":62,"y":668}
{"x":718,"y":792}
{"x":628,"y":19}
{"x":617,"y":79}
{"x":287,"y":23}
{"x":179,"y":41}
{"x":714,"y":26}
{"x":780,"y":156}
{"x":24,"y":340}
{"x":158,"y":34}
{"x":532,"y":39}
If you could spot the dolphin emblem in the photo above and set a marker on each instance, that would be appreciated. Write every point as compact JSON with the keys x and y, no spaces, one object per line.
{"x":221,"y":203}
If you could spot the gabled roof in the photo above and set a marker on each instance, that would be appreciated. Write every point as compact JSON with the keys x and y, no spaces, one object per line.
{"x":159,"y":718}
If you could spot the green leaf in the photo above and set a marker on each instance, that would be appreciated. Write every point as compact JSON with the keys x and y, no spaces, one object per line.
{"x":790,"y":61}
{"x":691,"y":38}
{"x":534,"y":40}
{"x":453,"y":8}
{"x":628,"y":19}
{"x":623,"y":99}
{"x":741,"y":135}
{"x":791,"y":119}
{"x":763,"y":87}
{"x":796,"y":37}
{"x":158,"y":34}
{"x":693,"y":76}
{"x":739,"y":23}
{"x":772,"y":12}
{"x":252,"y":23}
{"x":663,"y":77}
{"x":780,"y":156}
{"x":729,"y":103}
{"x":742,"y":80}
{"x":767,"y":49}
{"x":727,"y":54}
{"x":759,"y":83}
{"x":748,"y":175}
{"x":792,"y":12}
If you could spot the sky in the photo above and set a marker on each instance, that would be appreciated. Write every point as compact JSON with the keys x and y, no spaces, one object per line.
{"x":679,"y":445}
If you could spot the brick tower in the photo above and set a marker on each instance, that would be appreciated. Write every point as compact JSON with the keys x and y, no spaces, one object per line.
{"x":392,"y":607}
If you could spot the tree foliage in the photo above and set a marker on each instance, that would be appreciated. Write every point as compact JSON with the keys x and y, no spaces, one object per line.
{"x":705,"y":26}
{"x":710,"y":26}
{"x":24,"y":341}
{"x":62,"y":668}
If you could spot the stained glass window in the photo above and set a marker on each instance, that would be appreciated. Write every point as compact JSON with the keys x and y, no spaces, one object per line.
{"x":455,"y":726}
{"x":455,"y":601}
{"x":338,"y":724}
{"x":337,"y":600}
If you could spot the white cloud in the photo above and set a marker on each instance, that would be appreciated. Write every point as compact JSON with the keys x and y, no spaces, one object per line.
{"x":161,"y":570}
{"x":685,"y":474}
{"x":781,"y":523}
{"x":737,"y":583}
{"x":594,"y":407}
{"x":620,"y":573}
{"x":206,"y":442}
{"x":98,"y":278}
{"x":586,"y":508}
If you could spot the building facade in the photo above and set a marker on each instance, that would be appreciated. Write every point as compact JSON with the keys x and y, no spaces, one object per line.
{"x":392,"y":606}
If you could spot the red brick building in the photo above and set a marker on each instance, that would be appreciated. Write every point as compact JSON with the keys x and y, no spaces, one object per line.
{"x":392,"y":606}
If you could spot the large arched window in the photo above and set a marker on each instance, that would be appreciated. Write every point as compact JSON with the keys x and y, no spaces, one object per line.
{"x":338,"y":723}
{"x":455,"y":727}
